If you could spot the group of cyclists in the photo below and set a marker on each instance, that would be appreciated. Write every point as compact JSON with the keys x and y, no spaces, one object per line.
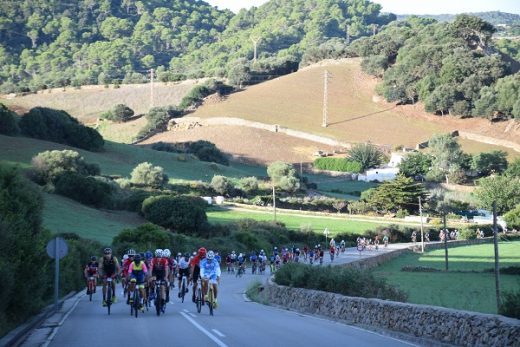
{"x":143,"y":271}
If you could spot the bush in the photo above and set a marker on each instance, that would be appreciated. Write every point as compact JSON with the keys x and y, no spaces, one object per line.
{"x":368,"y":155}
{"x":8,"y":124}
{"x":510,"y":305}
{"x":337,"y":164}
{"x":147,"y":175}
{"x":221,"y":184}
{"x":146,"y":236}
{"x":342,"y":280}
{"x":120,"y":113}
{"x":48,"y":165}
{"x":248,"y":184}
{"x":183,"y":214}
{"x":86,"y":190}
{"x":207,"y":151}
{"x":58,"y":126}
{"x":199,"y":92}
{"x":512,"y":218}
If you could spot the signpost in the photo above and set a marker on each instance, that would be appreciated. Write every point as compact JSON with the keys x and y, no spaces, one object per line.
{"x":57,"y":248}
{"x":326,"y":233}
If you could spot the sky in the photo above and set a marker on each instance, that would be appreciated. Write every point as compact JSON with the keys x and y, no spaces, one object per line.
{"x":406,"y":6}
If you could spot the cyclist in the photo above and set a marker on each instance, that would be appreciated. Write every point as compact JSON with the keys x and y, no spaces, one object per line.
{"x":253,"y":259}
{"x":311,"y":256}
{"x":241,"y":263}
{"x":272,"y":259}
{"x":332,"y":251}
{"x":262,"y":260}
{"x":233,"y":258}
{"x":275,"y":251}
{"x":228,"y":262}
{"x":137,"y":272}
{"x":159,"y":268}
{"x":172,"y":263}
{"x":109,"y":267}
{"x":210,"y":272}
{"x":297,"y":255}
{"x":184,"y":270}
{"x":305,"y":252}
{"x":91,"y":270}
{"x":126,"y":265}
{"x":217,"y":258}
{"x":195,"y":269}
{"x":385,"y":240}
{"x":342,"y":246}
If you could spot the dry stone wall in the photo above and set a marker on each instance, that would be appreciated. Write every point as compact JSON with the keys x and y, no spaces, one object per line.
{"x":439,"y":324}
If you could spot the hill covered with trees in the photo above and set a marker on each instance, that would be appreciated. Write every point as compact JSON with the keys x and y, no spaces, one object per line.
{"x":56,"y":43}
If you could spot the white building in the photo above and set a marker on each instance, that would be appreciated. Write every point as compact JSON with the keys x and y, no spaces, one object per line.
{"x":379,"y":175}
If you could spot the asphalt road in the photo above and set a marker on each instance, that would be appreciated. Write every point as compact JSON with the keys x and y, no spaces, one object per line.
{"x":237,"y":322}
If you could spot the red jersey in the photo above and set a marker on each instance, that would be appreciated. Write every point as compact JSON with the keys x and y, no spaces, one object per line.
{"x":195,"y":261}
{"x":126,"y":265}
{"x":159,"y":265}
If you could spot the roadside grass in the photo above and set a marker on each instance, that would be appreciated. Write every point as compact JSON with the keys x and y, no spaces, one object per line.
{"x":471,"y":291}
{"x":475,"y":147}
{"x":62,"y":215}
{"x":297,"y":221}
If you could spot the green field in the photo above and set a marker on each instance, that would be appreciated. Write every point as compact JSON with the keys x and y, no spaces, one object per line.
{"x":455,"y":289}
{"x":62,"y":215}
{"x":296,"y":222}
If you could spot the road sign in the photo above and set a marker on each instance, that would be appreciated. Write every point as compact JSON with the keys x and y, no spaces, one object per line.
{"x":57,"y":247}
{"x":326,"y":232}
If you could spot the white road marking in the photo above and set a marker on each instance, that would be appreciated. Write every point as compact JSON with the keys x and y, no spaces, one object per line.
{"x":192,"y":314}
{"x":207,"y":333}
{"x":218,"y":333}
{"x":185,"y":310}
{"x":55,"y":330}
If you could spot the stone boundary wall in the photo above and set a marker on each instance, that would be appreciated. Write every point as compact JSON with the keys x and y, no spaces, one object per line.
{"x":462,"y":328}
{"x":269,"y":127}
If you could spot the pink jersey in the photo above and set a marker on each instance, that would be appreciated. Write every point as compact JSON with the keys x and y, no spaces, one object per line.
{"x":141,"y":268}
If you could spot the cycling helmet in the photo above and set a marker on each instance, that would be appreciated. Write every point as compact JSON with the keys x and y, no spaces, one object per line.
{"x":159,"y":253}
{"x":148,"y":255}
{"x":107,"y":250}
{"x":167,"y":253}
{"x":210,"y":255}
{"x":179,"y":254}
{"x":194,"y":254}
{"x":275,"y":248}
{"x":233,"y":252}
{"x":125,"y":257}
{"x":131,"y":252}
{"x":297,"y":249}
{"x":137,"y":258}
{"x":93,"y":258}
{"x":202,"y":251}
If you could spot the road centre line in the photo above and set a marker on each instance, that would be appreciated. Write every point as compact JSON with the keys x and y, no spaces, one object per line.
{"x":207,"y":333}
{"x":192,"y":314}
{"x":218,"y":333}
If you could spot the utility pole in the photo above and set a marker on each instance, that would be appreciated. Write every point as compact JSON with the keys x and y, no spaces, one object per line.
{"x":422,"y":230}
{"x":325,"y":98}
{"x":301,"y":172}
{"x":495,"y":241}
{"x":255,"y":41}
{"x":151,"y":87}
{"x":445,"y":237}
{"x":274,"y":203}
{"x":347,"y":35}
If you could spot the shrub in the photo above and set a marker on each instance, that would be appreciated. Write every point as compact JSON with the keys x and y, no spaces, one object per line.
{"x":146,"y":236}
{"x":510,"y":305}
{"x":248,"y":184}
{"x":512,"y":218}
{"x":199,"y":92}
{"x":184,"y":214}
{"x":8,"y":124}
{"x":58,"y":126}
{"x":342,"y":280}
{"x":147,"y":175}
{"x":221,"y":184}
{"x":120,"y":113}
{"x":337,"y":164}
{"x":207,"y":151}
{"x":50,"y":164}
{"x":87,"y":190}
{"x":368,"y":155}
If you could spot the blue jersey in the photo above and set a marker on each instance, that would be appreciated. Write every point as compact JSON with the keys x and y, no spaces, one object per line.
{"x":209,"y":268}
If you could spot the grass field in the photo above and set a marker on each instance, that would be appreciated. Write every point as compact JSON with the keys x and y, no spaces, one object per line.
{"x":89,"y":102}
{"x":340,"y":224}
{"x":459,"y":290}
{"x":62,"y":215}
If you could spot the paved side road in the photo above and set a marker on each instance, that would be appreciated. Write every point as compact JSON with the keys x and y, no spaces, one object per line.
{"x":237,"y":322}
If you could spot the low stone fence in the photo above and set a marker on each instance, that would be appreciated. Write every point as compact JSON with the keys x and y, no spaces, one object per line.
{"x":438,"y":324}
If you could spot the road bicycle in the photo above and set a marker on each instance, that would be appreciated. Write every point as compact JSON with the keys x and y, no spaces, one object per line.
{"x":135,"y":302}
{"x":183,"y":288}
{"x":253,"y":268}
{"x":262,"y":268}
{"x":109,"y":294}
{"x":198,"y":296}
{"x":91,"y":286}
{"x":211,"y":299}
{"x":241,"y":270}
{"x":159,"y":301}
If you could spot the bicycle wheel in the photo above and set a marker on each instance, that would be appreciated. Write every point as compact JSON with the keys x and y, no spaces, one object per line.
{"x":210,"y":299}
{"x":109,"y":297}
{"x":137,"y":301}
{"x":198,"y":299}
{"x":158,"y":299}
{"x":90,"y":289}
{"x":183,"y":288}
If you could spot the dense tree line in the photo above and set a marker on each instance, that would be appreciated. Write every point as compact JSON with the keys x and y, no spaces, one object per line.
{"x":55,"y":43}
{"x":452,"y":67}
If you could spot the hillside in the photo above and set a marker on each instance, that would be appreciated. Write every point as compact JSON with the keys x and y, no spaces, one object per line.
{"x":355,"y":113}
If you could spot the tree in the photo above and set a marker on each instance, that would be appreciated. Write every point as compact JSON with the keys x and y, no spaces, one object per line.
{"x":339,"y":205}
{"x":120,"y":113}
{"x":401,"y":193}
{"x":368,"y":155}
{"x":8,"y":124}
{"x":221,"y":184}
{"x":415,"y":164}
{"x":448,"y":158}
{"x":146,"y":236}
{"x":49,"y":165}
{"x":512,"y":218}
{"x":283,"y":175}
{"x":514,"y":169}
{"x":487,"y":163}
{"x":148,"y":175}
{"x":248,"y":184}
{"x":504,"y":190}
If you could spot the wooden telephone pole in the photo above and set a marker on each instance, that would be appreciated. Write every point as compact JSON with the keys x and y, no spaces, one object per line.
{"x":151,"y":87}
{"x":326,"y":78}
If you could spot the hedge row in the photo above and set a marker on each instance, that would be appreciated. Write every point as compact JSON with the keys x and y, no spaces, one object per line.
{"x":337,"y":164}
